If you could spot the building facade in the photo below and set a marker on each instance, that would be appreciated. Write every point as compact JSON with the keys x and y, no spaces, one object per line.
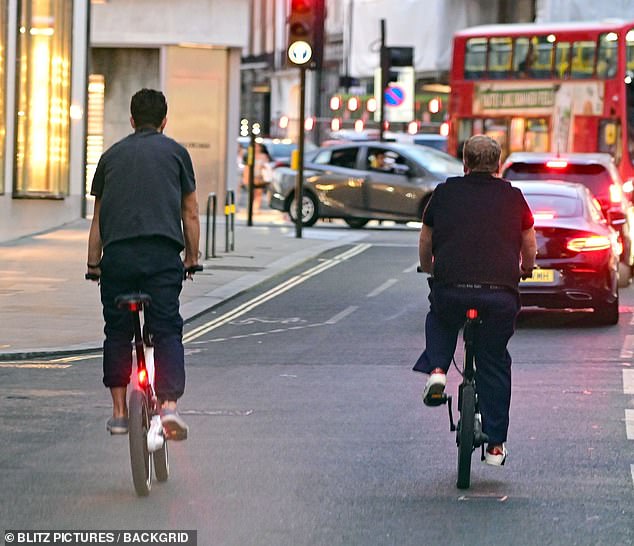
{"x":43,"y":48}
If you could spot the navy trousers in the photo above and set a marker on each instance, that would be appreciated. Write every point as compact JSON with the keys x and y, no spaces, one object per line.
{"x":498,"y":310}
{"x":151,"y":265}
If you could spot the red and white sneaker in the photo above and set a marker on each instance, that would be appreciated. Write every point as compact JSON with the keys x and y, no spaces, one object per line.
{"x":435,"y":388}
{"x":495,"y":456}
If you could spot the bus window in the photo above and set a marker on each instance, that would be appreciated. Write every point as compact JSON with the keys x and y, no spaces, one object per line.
{"x":543,"y":65}
{"x":583,"y":54}
{"x":562,"y":60}
{"x":536,"y":137}
{"x":499,"y":57}
{"x":629,"y":38}
{"x":606,"y":59}
{"x":523,"y":57}
{"x":475,"y":58}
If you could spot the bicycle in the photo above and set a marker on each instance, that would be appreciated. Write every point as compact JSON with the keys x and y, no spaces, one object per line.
{"x":148,"y":444}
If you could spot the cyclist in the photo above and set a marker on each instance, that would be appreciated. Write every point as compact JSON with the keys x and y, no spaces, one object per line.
{"x":477,"y":239}
{"x":146,"y":213}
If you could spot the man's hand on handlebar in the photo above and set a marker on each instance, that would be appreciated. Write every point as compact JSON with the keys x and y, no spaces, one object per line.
{"x":526,"y":273}
{"x":190,"y":270}
{"x":93,"y":273}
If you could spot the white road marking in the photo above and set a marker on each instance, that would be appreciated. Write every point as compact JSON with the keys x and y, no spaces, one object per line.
{"x":42,"y":366}
{"x":342,"y":315}
{"x":411,"y":268}
{"x":275,"y":291}
{"x":628,"y":381}
{"x":632,"y":470}
{"x":382,"y":288}
{"x":627,"y":350}
{"x":629,"y":424}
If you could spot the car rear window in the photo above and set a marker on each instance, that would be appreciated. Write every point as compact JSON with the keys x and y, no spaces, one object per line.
{"x":554,"y":206}
{"x":595,"y":177}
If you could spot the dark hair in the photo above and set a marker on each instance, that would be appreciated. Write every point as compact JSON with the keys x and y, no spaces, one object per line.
{"x":148,"y":108}
{"x":482,"y":154}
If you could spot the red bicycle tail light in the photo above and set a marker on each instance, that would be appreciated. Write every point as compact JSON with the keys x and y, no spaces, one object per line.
{"x":557,"y":164}
{"x":616,"y":193}
{"x":142,"y":377}
{"x":589,"y":244}
{"x":472,"y":314}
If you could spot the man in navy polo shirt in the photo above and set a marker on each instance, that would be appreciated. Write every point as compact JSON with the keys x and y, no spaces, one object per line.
{"x":477,"y":240}
{"x":146,"y":214}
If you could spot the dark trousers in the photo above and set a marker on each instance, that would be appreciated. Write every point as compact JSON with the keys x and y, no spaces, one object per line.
{"x":151,"y":265}
{"x":498,"y":310}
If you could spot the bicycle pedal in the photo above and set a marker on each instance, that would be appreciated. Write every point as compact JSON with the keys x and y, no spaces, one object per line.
{"x":436,"y":399}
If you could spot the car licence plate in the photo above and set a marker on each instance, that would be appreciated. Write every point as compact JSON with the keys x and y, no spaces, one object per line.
{"x":541,"y":276}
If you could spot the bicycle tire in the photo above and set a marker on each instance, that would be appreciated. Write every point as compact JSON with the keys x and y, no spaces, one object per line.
{"x":140,"y":457}
{"x":162,"y":463}
{"x":466,"y":435}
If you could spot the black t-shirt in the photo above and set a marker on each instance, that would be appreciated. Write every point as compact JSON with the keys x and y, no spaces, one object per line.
{"x":141,"y":181}
{"x":477,"y":223}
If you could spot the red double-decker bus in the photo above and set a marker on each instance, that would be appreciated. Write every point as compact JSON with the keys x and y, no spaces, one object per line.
{"x":565,"y":87}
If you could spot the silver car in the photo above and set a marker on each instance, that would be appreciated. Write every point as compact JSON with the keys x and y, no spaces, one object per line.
{"x":363,"y":181}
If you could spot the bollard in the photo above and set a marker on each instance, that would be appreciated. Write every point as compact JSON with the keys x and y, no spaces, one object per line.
{"x":230,"y":227}
{"x":211,"y":204}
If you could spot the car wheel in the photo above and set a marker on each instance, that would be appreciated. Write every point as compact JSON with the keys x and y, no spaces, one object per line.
{"x":625,"y":275}
{"x":309,"y":209}
{"x":356,"y":223}
{"x":608,"y":313}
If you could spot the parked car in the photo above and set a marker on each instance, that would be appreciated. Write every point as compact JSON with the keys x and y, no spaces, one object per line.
{"x":596,"y":171}
{"x":577,"y":251}
{"x":361,"y":181}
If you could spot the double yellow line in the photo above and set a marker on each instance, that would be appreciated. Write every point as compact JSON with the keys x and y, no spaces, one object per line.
{"x":273,"y":292}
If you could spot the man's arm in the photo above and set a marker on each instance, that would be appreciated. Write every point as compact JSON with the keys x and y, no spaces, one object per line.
{"x":94,"y":241}
{"x":528,"y":251}
{"x":191,"y":228}
{"x":424,"y":250}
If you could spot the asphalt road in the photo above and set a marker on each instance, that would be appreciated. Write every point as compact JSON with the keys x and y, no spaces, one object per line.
{"x":307,"y":428}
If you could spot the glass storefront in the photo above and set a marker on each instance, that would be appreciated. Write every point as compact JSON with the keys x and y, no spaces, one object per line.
{"x":43,"y":73}
{"x":3,"y":88}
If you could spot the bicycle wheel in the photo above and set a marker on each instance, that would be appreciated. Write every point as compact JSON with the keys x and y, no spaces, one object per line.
{"x":465,"y":435}
{"x":161,"y":463}
{"x":140,"y":457}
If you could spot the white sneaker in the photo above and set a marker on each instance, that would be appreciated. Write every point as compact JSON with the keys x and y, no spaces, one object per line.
{"x":435,"y":388}
{"x":495,"y":456}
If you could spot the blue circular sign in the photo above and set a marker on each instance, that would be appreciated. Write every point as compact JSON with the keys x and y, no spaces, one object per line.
{"x":394,"y":96}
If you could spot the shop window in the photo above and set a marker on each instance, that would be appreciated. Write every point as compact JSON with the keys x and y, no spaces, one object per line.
{"x":583,"y":56}
{"x":536,"y":136}
{"x":43,"y":98}
{"x":3,"y":87}
{"x":95,"y":121}
{"x":499,"y":57}
{"x":607,"y":55}
{"x":475,"y":58}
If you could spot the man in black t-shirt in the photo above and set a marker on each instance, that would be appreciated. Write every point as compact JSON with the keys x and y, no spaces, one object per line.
{"x":477,"y":240}
{"x":146,"y":213}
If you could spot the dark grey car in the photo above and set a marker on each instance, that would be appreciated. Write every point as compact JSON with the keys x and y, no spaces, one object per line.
{"x":364,"y":181}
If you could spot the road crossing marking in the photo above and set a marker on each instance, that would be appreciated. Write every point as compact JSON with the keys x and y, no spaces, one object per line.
{"x":629,"y":424}
{"x":627,"y":351}
{"x":628,"y":381}
{"x":273,"y":292}
{"x":382,"y":288}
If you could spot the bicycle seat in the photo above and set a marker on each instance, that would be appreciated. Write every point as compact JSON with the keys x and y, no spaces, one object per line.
{"x":132,"y":301}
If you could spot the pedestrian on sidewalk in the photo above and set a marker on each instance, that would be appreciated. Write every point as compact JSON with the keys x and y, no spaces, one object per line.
{"x":145,"y":215}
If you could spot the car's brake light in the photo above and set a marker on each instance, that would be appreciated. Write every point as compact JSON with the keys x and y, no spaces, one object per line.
{"x":588,"y":244}
{"x":557,"y":164}
{"x":616,"y":193}
{"x":544,"y":215}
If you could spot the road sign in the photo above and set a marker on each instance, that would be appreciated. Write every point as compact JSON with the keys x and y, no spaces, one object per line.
{"x":300,"y":52}
{"x":394,"y":96}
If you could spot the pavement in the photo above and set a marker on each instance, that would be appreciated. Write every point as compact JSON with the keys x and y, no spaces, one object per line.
{"x":47,"y":308}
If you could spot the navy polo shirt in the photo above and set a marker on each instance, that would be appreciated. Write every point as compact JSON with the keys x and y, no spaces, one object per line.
{"x":477,"y":223}
{"x":141,"y":181}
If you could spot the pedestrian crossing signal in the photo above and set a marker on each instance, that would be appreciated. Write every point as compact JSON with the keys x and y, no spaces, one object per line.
{"x":306,"y":33}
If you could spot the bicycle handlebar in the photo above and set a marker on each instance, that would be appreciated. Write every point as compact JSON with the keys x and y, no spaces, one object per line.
{"x":189,"y":271}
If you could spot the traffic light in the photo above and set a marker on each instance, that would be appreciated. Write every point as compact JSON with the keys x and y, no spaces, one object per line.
{"x":395,"y":57}
{"x":306,"y":33}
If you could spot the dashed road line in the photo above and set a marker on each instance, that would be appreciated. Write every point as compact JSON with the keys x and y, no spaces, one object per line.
{"x":628,"y":381}
{"x":273,"y":292}
{"x":387,"y":284}
{"x":342,"y":315}
{"x":629,"y":424}
{"x":627,"y":350}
